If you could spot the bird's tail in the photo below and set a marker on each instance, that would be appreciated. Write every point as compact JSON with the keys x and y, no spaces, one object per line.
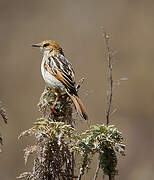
{"x":79,"y":106}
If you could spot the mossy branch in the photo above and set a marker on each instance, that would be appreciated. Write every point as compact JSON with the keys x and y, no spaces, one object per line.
{"x":56,"y":141}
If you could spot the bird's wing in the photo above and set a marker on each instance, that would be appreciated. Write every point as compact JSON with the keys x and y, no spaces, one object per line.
{"x":62,"y":69}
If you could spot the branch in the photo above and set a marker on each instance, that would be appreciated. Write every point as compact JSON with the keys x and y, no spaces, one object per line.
{"x":52,"y":132}
{"x":97,"y":171}
{"x":109,"y":57}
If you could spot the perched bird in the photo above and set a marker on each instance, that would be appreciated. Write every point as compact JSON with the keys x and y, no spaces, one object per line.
{"x":58,"y":74}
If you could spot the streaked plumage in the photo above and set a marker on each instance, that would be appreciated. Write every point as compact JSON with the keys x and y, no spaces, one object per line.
{"x":58,"y":73}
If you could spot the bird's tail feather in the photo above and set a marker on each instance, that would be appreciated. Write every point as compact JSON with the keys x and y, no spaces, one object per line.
{"x":79,"y":106}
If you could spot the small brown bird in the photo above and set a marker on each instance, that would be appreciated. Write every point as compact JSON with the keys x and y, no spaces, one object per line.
{"x":58,"y":74}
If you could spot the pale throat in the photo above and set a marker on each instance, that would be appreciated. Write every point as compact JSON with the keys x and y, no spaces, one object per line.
{"x":46,"y":53}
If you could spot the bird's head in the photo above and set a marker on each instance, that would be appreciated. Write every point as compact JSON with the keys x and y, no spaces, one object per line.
{"x":49,"y":46}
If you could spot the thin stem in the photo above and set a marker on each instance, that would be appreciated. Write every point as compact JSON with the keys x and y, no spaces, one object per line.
{"x":109,"y":55}
{"x":97,"y":171}
{"x":73,"y":163}
{"x":111,"y":177}
{"x":80,"y":176}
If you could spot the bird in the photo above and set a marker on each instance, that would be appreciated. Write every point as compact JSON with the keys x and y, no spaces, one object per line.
{"x":58,"y":73}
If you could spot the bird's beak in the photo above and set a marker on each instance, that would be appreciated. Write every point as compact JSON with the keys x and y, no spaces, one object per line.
{"x":36,"y":45}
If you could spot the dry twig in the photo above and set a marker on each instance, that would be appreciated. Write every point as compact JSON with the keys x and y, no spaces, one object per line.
{"x":109,"y":57}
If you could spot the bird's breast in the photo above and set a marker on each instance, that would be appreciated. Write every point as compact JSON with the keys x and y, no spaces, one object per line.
{"x":50,"y":80}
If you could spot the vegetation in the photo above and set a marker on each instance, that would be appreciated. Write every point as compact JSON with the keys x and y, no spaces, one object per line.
{"x":58,"y":143}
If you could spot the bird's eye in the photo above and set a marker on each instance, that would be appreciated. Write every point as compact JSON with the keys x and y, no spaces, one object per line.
{"x":46,"y":44}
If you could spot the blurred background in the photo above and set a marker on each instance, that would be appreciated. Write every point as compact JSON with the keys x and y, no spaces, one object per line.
{"x":76,"y":25}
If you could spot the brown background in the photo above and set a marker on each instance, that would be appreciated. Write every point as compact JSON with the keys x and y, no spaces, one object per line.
{"x":76,"y":25}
